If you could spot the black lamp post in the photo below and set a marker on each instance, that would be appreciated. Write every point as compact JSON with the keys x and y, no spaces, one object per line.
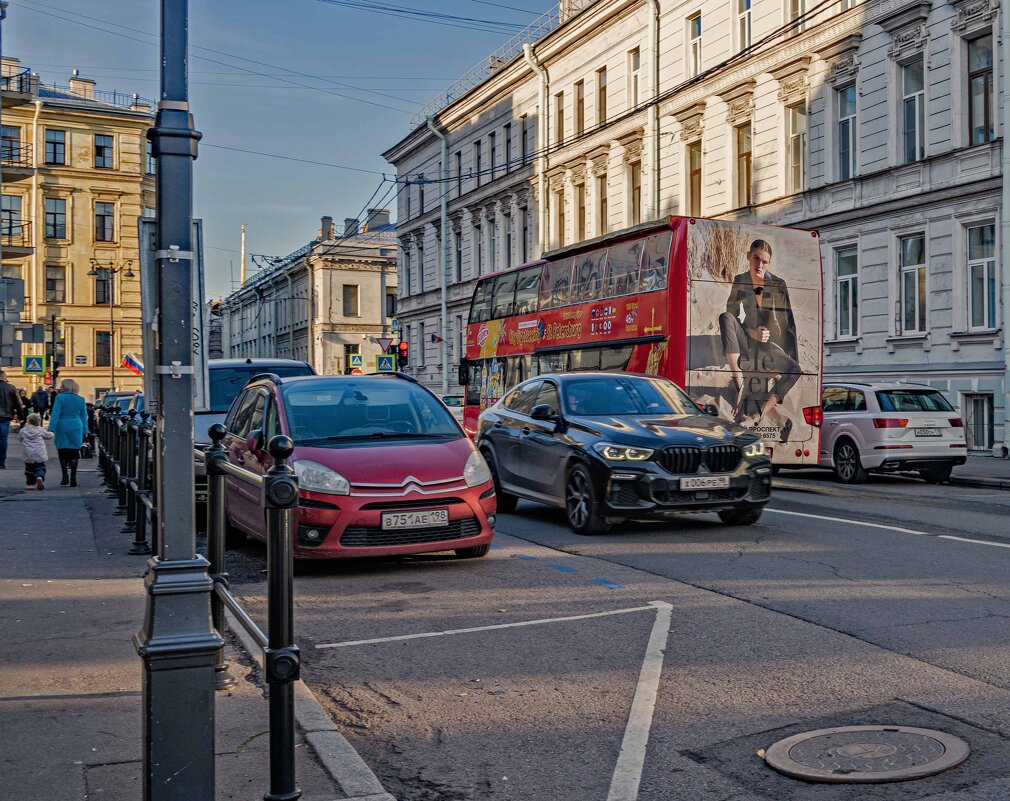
{"x":97,"y":268}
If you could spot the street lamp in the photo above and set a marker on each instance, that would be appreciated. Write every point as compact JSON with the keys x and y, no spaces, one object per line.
{"x":97,"y":268}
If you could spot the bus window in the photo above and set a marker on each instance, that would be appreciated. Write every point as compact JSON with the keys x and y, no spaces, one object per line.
{"x":504,"y":295}
{"x":589,"y":276}
{"x":622,"y":275}
{"x":527,"y":290}
{"x":480,"y":308}
{"x":616,"y":358}
{"x":655,"y":262}
{"x":555,"y":284}
{"x":585,"y":359}
{"x":557,"y":362}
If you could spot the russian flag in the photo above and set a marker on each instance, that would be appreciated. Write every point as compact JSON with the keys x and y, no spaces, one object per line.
{"x":133,"y":364}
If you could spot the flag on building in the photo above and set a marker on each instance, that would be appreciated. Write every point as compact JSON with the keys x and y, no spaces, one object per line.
{"x":133,"y":364}
{"x":436,"y":338}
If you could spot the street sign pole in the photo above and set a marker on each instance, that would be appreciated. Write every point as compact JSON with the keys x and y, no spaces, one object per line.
{"x":178,"y":643}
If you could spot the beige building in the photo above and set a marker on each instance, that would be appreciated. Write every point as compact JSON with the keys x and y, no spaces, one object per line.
{"x":324,"y":303}
{"x":77,"y":174}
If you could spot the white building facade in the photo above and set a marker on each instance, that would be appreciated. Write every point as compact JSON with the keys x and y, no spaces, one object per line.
{"x":877,"y":123}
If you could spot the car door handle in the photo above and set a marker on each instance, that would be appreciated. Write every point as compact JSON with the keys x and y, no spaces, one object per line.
{"x":526,"y":430}
{"x":498,"y":424}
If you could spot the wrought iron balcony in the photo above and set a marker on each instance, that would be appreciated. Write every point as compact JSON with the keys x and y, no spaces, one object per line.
{"x":16,"y":236}
{"x":14,"y":153}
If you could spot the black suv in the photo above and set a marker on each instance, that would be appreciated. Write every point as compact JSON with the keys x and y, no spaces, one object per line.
{"x":613,"y":446}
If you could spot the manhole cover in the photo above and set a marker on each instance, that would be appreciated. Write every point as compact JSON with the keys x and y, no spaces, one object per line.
{"x":866,"y":754}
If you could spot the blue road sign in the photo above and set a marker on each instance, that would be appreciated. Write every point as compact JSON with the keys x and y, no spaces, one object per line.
{"x":385,"y":364}
{"x":356,"y":361}
{"x":33,"y":365}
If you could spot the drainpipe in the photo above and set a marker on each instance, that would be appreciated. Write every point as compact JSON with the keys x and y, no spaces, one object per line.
{"x":35,"y":211}
{"x":1000,"y":448}
{"x":542,"y":212}
{"x":654,"y":111}
{"x":443,"y":257}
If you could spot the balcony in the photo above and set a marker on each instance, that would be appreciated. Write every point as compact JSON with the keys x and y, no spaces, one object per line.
{"x":17,"y":88}
{"x":16,"y":160}
{"x":16,"y":239}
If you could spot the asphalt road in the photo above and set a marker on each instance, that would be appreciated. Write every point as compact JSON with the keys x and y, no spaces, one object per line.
{"x":886,"y":603}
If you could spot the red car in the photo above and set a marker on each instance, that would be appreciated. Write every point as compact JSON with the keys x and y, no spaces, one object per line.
{"x":383,"y":467}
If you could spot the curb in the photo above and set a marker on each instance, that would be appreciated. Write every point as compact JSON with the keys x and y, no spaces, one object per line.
{"x":335,"y":754}
{"x":988,"y":483}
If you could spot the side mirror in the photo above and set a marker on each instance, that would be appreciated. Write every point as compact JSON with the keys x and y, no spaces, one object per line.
{"x":254,"y":443}
{"x":463,"y":373}
{"x":710,"y":409}
{"x":543,"y":412}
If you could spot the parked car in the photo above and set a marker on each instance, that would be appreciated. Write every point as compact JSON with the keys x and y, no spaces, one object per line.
{"x":121,"y":400}
{"x":383,"y":468}
{"x":889,"y":428}
{"x":612,"y":446}
{"x":455,"y":405}
{"x":226,"y":378}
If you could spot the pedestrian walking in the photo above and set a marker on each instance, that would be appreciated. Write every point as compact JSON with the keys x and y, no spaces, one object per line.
{"x":33,"y":442}
{"x":68,"y":421}
{"x":10,"y":408}
{"x":40,"y":402}
{"x":26,"y":405}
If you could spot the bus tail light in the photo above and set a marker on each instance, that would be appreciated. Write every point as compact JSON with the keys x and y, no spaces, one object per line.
{"x":889,"y":422}
{"x":814,"y":415}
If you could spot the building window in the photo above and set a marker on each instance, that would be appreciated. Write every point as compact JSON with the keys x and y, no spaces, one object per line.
{"x":103,"y":152}
{"x":459,"y":173}
{"x":391,"y":303}
{"x":152,"y":162}
{"x":743,"y":165}
{"x":10,"y":143}
{"x":601,"y":95}
{"x":349,"y":351}
{"x":457,"y":254}
{"x":492,"y":149}
{"x":352,"y":307}
{"x":11,"y":271}
{"x":460,"y":337}
{"x":797,"y":10}
{"x":103,"y":348}
{"x":56,"y":146}
{"x":525,"y":248}
{"x":56,"y":284}
{"x":913,"y":111}
{"x":743,"y":23}
{"x":478,"y":160}
{"x":524,"y":148}
{"x":846,"y":132}
{"x":694,"y":179}
{"x":406,"y":272}
{"x":580,"y":107}
{"x":10,"y":215}
{"x":982,"y":287}
{"x":912,"y":258}
{"x":602,"y":212}
{"x":796,"y":119}
{"x":634,"y":67}
{"x":508,"y":241}
{"x":694,"y":45}
{"x":103,"y":288}
{"x":508,"y":146}
{"x":492,"y":244}
{"x":559,"y":118}
{"x":56,"y":218}
{"x":420,"y":193}
{"x":847,"y":292}
{"x":420,"y":267}
{"x":981,"y":119}
{"x":559,"y":201}
{"x":478,"y":248}
{"x":105,"y":215}
{"x":636,"y":192}
{"x":422,"y":345}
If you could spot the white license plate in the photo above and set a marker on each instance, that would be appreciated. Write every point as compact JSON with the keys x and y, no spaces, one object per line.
{"x":429,"y":518}
{"x":928,"y":432}
{"x":704,"y":483}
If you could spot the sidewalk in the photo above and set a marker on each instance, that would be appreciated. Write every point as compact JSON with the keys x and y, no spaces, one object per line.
{"x":983,"y":471}
{"x":71,"y":600}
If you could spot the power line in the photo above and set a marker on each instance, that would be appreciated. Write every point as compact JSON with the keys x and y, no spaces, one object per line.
{"x":438,"y":18}
{"x":291,"y":158}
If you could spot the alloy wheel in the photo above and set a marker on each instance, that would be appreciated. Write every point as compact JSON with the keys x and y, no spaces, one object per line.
{"x":577,"y":499}
{"x":846,"y":462}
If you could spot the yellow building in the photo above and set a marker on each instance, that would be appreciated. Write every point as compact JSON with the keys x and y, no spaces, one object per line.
{"x":77,"y":174}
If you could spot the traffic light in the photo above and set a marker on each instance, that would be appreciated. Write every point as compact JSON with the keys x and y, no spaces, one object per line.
{"x":403,"y":353}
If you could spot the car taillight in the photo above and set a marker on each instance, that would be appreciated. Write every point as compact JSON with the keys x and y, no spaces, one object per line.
{"x":956,"y":422}
{"x":889,"y":422}
{"x":814,"y":415}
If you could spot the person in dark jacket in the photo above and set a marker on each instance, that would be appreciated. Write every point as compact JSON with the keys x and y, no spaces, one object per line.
{"x":26,"y":406}
{"x":759,"y":335}
{"x":40,"y":401}
{"x":10,"y":408}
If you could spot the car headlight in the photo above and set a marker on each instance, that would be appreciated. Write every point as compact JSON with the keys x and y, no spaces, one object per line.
{"x":319,"y":478}
{"x":754,"y":449}
{"x":476,"y":471}
{"x":622,"y":453}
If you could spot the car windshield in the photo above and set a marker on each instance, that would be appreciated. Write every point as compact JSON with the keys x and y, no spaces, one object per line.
{"x":363,"y":409}
{"x":452,"y":400}
{"x":611,"y":396}
{"x":227,"y":382}
{"x":912,"y":400}
{"x":124,"y":403}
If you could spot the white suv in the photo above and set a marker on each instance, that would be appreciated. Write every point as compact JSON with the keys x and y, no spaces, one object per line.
{"x":889,"y":428}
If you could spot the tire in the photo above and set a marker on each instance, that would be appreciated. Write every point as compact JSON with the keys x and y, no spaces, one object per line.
{"x":506,"y":502}
{"x":473,"y":553}
{"x":581,"y":504}
{"x":848,"y":467}
{"x":741,"y":516}
{"x":937,"y":475}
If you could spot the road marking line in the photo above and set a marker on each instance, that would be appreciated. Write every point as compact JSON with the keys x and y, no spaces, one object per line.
{"x":628,"y":772}
{"x":610,"y":585}
{"x":562,"y":568}
{"x":974,"y":542}
{"x":525,"y":556}
{"x":852,"y":522}
{"x":517,"y":624}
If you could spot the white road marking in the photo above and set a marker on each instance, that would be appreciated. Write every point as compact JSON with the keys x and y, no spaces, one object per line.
{"x":517,"y":624}
{"x":628,"y":772}
{"x":852,"y":522}
{"x":974,"y":542}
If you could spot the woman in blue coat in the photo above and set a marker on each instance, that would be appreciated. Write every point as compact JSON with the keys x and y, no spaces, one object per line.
{"x":68,"y":420}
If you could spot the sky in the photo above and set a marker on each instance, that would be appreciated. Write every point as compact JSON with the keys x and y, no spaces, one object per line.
{"x":324,"y":81}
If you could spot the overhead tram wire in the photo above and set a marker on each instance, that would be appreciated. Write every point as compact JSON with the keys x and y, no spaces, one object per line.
{"x":433,"y":17}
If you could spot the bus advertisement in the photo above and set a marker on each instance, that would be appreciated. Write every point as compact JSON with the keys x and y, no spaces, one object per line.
{"x":729,"y":311}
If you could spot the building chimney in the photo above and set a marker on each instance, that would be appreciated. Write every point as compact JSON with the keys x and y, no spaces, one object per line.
{"x":350,"y":226}
{"x":376,"y":219}
{"x":82,"y":87}
{"x":326,"y":229}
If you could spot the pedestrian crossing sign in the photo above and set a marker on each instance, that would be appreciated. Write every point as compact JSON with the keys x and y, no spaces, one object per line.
{"x":385,"y":364}
{"x":356,"y":361}
{"x":33,"y":365}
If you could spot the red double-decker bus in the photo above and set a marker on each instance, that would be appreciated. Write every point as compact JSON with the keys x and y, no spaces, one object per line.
{"x":729,"y":311}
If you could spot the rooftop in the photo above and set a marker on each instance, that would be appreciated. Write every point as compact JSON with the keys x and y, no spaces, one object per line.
{"x":14,"y":77}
